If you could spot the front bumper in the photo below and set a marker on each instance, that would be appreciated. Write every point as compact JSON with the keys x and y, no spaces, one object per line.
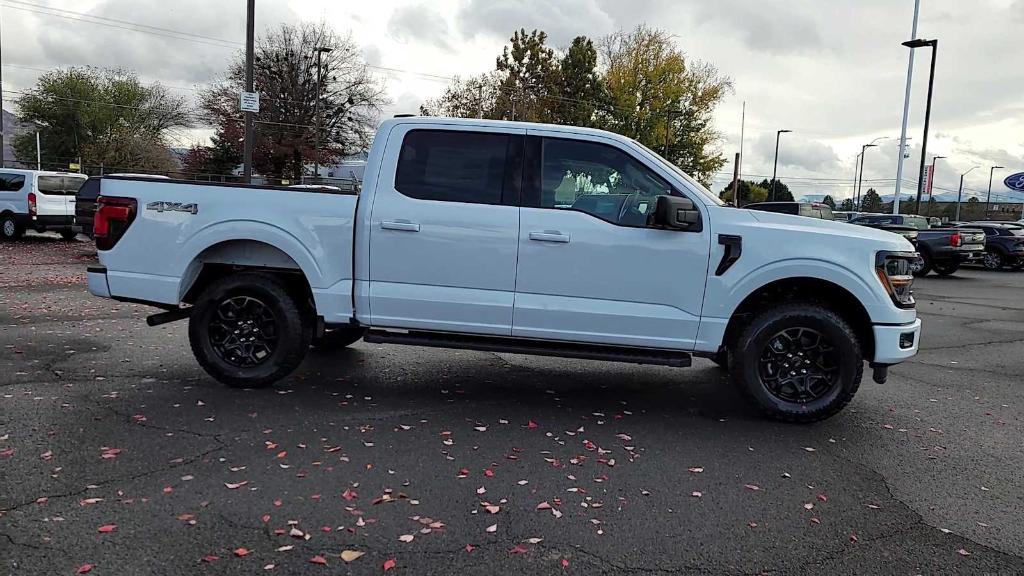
{"x":894,"y":344}
{"x":98,"y":286}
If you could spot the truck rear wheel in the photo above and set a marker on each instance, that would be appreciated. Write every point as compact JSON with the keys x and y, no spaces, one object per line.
{"x":947,"y":268}
{"x":248,"y":331}
{"x":797,"y":362}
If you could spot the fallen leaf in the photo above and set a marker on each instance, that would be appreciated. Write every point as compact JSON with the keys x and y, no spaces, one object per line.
{"x":963,"y":552}
{"x":84,"y":569}
{"x":517,"y":549}
{"x":285,"y":548}
{"x":236,"y":485}
{"x":822,"y":498}
{"x":492,"y":528}
{"x":492,"y":509}
{"x":107,"y":528}
{"x":809,"y":449}
{"x":696,"y":470}
{"x":241,"y":552}
{"x":531,"y":424}
{"x":808,"y":506}
{"x":696,"y":494}
{"x":752,"y":524}
{"x":469,"y":548}
{"x":406,"y":538}
{"x":318,"y":560}
{"x":350,"y":555}
{"x":753,"y":487}
{"x":565,"y":563}
{"x":481,"y":490}
{"x":853,"y":538}
{"x":209,"y":559}
{"x":389,"y":564}
{"x":349,"y":495}
{"x":543,"y":506}
{"x":89,"y":501}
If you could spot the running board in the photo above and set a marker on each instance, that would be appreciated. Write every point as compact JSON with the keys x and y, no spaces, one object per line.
{"x":675,"y":358}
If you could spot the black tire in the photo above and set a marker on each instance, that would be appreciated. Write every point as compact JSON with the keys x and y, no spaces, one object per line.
{"x":10,"y":228}
{"x":339,"y":338}
{"x":993,"y":260}
{"x":260,"y":306}
{"x":69,"y":235}
{"x":840,"y":365}
{"x":947,"y":268}
{"x":922,"y":266}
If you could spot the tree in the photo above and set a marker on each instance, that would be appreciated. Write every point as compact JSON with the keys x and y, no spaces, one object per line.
{"x":220,"y":159}
{"x":830,"y":201}
{"x":530,"y":79}
{"x":475,"y":97}
{"x":581,"y":89}
{"x":846,"y":205}
{"x":286,"y":75}
{"x":663,"y":99}
{"x":100,"y":116}
{"x":871,"y":202}
{"x":781,"y":192}
{"x":750,"y":192}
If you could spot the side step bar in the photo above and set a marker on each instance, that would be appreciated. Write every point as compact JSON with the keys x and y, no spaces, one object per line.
{"x":533,"y":347}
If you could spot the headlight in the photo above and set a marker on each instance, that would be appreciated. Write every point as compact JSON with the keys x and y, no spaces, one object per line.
{"x":894,"y":271}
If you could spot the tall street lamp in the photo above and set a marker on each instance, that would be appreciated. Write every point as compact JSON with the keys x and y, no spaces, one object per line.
{"x":960,"y":194}
{"x":320,"y":50}
{"x":988,"y":200}
{"x":930,"y":188}
{"x":860,"y":178}
{"x":775,"y":170}
{"x":934,"y":44}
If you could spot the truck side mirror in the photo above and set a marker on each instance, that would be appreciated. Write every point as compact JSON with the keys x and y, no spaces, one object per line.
{"x":677,"y":213}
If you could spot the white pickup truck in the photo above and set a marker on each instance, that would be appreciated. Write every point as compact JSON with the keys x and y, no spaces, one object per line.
{"x":519,"y":238}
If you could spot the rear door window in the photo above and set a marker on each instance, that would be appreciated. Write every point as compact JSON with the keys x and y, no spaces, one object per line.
{"x":59,"y":185}
{"x":454,"y":166}
{"x":11,"y":182}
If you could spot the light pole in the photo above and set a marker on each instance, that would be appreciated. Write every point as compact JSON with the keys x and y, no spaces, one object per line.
{"x":960,"y":194}
{"x":930,"y":188}
{"x":320,"y":50}
{"x":906,"y":113}
{"x":250,"y":35}
{"x":988,"y":200}
{"x":775,"y":170}
{"x":860,"y":177}
{"x":934,"y":44}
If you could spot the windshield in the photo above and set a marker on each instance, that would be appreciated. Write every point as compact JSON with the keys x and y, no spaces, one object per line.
{"x":675,"y":169}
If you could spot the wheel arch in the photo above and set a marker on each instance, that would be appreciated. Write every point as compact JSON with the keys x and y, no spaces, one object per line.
{"x":809,"y":289}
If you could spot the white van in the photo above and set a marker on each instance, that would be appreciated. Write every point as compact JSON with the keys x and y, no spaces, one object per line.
{"x":37,"y":200}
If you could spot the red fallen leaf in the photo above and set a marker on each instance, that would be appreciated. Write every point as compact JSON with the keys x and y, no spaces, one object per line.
{"x":543,"y":506}
{"x":565,"y":563}
{"x":531,"y":424}
{"x":84,"y":569}
{"x":265,"y":518}
{"x":518,"y":549}
{"x":186,"y":517}
{"x":752,"y":524}
{"x":963,"y":552}
{"x":210,"y":559}
{"x":853,"y":538}
{"x":107,"y":528}
{"x":42,"y":500}
{"x":168,"y":489}
{"x":489,"y":473}
{"x":278,"y":503}
{"x":389,"y":564}
{"x":349,"y":495}
{"x":6,"y":452}
{"x":318,"y":560}
{"x":282,"y":453}
{"x":822,"y":498}
{"x":241,"y":552}
{"x":470,"y":548}
{"x":815,"y":521}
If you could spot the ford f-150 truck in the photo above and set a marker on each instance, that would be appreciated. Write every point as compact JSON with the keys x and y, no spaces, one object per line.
{"x":518,"y":238}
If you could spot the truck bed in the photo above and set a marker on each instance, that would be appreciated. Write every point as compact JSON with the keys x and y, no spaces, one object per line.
{"x":179,"y":225}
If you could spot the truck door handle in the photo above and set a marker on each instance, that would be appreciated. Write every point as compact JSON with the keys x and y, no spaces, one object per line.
{"x":403,"y":225}
{"x":550,"y":236}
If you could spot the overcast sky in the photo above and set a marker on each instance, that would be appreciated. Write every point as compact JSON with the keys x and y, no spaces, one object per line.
{"x":832,"y":71}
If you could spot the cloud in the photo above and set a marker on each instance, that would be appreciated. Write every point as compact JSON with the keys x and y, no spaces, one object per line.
{"x":420,"y":23}
{"x":562,"y":20}
{"x":774,"y":26}
{"x":797,"y":152}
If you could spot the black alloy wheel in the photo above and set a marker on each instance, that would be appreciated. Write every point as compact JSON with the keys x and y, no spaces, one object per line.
{"x":243,"y":331}
{"x":799,"y":365}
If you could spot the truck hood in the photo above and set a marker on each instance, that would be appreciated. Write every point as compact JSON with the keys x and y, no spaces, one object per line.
{"x":816,"y":226}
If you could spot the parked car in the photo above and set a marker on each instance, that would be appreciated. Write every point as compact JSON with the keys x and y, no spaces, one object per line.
{"x":459,"y":240}
{"x":943,"y":250}
{"x":37,"y":200}
{"x":85,"y":205}
{"x":1004,"y":244}
{"x":808,"y":209}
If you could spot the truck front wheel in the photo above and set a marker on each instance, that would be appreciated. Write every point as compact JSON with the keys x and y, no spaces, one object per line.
{"x":797,"y":362}
{"x":248,"y":331}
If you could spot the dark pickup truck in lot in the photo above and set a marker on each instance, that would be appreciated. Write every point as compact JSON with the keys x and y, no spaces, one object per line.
{"x":1004,"y":244}
{"x":941,"y":249}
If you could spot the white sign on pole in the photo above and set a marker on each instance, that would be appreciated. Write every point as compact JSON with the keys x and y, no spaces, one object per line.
{"x":250,"y":102}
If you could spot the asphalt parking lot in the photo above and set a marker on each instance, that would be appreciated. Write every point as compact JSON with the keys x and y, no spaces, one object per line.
{"x":118,"y":455}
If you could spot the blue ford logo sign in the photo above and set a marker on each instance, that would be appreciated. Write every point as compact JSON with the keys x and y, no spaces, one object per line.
{"x":1015,"y":182}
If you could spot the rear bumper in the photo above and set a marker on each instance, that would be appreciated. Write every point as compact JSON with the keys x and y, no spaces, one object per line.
{"x":894,"y":344}
{"x":41,"y":223}
{"x":98,"y":286}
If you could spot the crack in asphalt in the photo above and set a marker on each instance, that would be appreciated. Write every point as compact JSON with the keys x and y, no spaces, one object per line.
{"x":40,"y":548}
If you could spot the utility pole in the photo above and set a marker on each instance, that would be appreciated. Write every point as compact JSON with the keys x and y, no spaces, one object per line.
{"x":743,"y":129}
{"x":927,"y":111}
{"x":480,"y":101}
{"x":960,"y":194}
{"x":988,"y":200}
{"x":250,"y":40}
{"x":906,"y":114}
{"x":3,"y":152}
{"x":320,"y":50}
{"x":775,"y":170}
{"x":736,"y":182}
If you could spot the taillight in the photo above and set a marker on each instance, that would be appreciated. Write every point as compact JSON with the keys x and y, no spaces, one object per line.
{"x":32,"y":204}
{"x":113,"y":217}
{"x":955,"y":240}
